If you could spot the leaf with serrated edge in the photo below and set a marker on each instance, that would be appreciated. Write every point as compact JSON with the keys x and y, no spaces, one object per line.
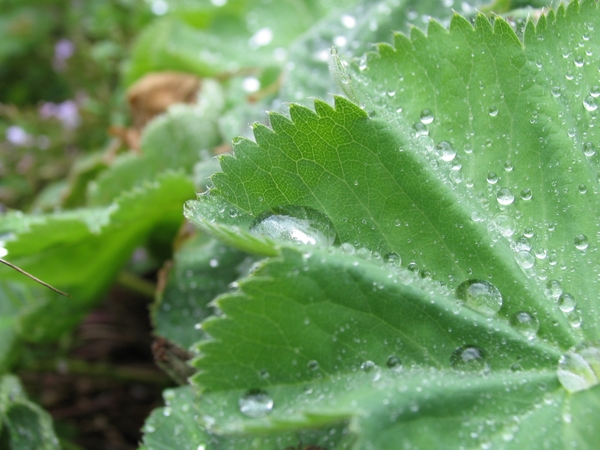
{"x":310,"y":316}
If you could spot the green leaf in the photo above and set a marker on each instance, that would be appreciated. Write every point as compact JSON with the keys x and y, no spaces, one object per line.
{"x":175,"y":140}
{"x":23,"y":424}
{"x":80,"y":252}
{"x":458,"y":127}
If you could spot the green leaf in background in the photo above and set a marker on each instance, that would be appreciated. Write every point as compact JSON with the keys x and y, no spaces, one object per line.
{"x":23,"y":424}
{"x":82,"y":251}
{"x":473,"y":163}
{"x":175,"y":140}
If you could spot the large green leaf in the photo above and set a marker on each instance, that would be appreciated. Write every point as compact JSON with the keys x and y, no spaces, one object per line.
{"x":473,"y":159}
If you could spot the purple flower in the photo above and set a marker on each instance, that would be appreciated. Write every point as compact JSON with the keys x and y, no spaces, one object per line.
{"x":63,"y":50}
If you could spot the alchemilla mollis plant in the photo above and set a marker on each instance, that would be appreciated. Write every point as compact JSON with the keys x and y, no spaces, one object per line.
{"x":411,"y":265}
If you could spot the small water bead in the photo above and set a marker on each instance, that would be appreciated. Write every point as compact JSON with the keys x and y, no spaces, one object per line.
{"x":508,"y":166}
{"x":469,"y":358}
{"x":526,"y":194}
{"x":367,"y":366}
{"x":581,"y":242}
{"x":575,"y":319}
{"x":505,"y":225}
{"x":589,"y":103}
{"x":595,"y":91}
{"x":525,"y":259}
{"x":256,"y":403}
{"x":582,"y":188}
{"x":481,"y":296}
{"x":392,"y":259}
{"x":505,"y":197}
{"x":445,"y":151}
{"x":493,"y":111}
{"x":313,"y":365}
{"x":525,"y":323}
{"x":492,"y":178}
{"x":420,"y":129}
{"x":589,"y":149}
{"x":426,"y":117}
{"x":297,"y":224}
{"x":566,"y":303}
{"x":394,"y":363}
{"x":579,"y":367}
{"x":556,"y":91}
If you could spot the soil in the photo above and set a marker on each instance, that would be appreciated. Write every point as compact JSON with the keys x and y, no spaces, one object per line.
{"x":106,"y":385}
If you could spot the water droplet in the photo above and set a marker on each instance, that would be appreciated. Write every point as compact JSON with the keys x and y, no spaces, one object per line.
{"x":492,"y":178}
{"x":493,"y":111}
{"x":367,"y":366}
{"x":582,"y":188}
{"x":426,"y":117}
{"x":589,"y":103}
{"x":556,"y":91}
{"x":481,"y":296}
{"x":505,"y":197}
{"x":525,"y":259}
{"x":468,"y":358}
{"x":445,"y":151}
{"x":508,"y":166}
{"x":566,"y":303}
{"x":589,"y":149}
{"x":575,"y":319}
{"x":420,"y":129}
{"x":333,"y":51}
{"x":393,"y":259}
{"x":553,"y":290}
{"x":526,"y":194}
{"x":394,"y":363}
{"x":578,"y":61}
{"x":505,"y":225}
{"x":525,"y":323}
{"x":256,"y":403}
{"x":298,"y":224}
{"x":581,"y":242}
{"x":579,"y":367}
{"x":313,"y":365}
{"x":348,"y":21}
{"x":345,"y":78}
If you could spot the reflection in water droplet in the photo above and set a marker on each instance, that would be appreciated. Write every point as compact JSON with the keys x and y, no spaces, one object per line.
{"x":581,"y":242}
{"x":493,"y":111}
{"x":445,"y":151}
{"x":566,"y":303}
{"x":525,"y":323}
{"x":256,"y":403}
{"x":367,"y":366}
{"x":313,"y":365}
{"x":492,"y":178}
{"x":394,"y":363}
{"x":469,"y":358}
{"x":526,"y":194}
{"x":426,"y":117}
{"x":579,"y":367}
{"x":298,"y":224}
{"x":525,"y":259}
{"x":505,"y":197}
{"x":589,"y":149}
{"x":589,"y":103}
{"x":481,"y":296}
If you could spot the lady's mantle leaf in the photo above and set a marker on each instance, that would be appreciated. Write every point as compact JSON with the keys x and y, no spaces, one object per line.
{"x":468,"y":165}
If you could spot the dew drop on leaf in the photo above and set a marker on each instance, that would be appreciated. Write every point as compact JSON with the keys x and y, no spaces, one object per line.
{"x":492,"y":178}
{"x":589,"y":149}
{"x":526,"y":194}
{"x":394,"y":363}
{"x":525,"y":323}
{"x":481,"y":296}
{"x":579,"y":367}
{"x":553,"y":290}
{"x":256,"y":403}
{"x":493,"y":111}
{"x":581,"y":242}
{"x":566,"y":303}
{"x":298,"y":224}
{"x":445,"y":151}
{"x":589,"y":103}
{"x":313,"y":365}
{"x":426,"y":117}
{"x":469,"y":358}
{"x":505,"y":197}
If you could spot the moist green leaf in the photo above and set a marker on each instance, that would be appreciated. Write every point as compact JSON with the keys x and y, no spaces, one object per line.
{"x":473,"y":161}
{"x":81,"y":252}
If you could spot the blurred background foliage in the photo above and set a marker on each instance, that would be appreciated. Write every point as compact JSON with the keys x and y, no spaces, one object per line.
{"x":60,"y":62}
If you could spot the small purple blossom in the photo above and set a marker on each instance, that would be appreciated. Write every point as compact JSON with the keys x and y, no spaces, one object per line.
{"x":18,"y":136}
{"x":63,"y":50}
{"x":67,"y":112}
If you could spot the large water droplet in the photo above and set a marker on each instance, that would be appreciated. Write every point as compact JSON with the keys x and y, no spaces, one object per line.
{"x":525,"y":323}
{"x":589,"y":149}
{"x":468,"y":358}
{"x":589,"y":103}
{"x":298,"y":224}
{"x":481,"y":296}
{"x":256,"y":403}
{"x":579,"y":367}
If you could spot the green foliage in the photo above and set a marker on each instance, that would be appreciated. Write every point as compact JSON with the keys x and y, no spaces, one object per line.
{"x":412,"y":265}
